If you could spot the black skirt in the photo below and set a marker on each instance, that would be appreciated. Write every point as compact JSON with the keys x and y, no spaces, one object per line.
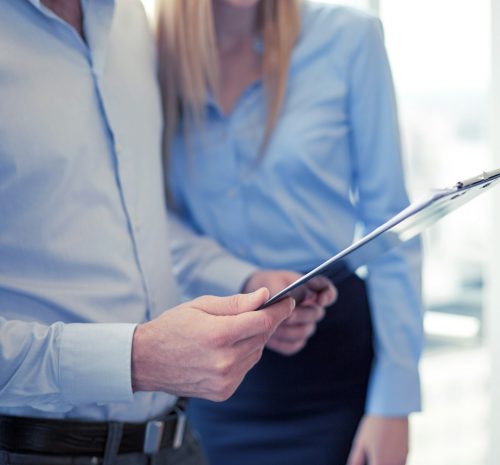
{"x":300,"y":409}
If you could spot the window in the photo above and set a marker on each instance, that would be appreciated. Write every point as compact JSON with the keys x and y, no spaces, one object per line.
{"x":440,"y":55}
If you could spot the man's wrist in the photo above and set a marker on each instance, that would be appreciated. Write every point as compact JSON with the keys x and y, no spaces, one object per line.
{"x":140,"y":379}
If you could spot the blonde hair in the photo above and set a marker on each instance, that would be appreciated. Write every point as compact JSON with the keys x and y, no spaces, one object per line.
{"x":188,"y":57}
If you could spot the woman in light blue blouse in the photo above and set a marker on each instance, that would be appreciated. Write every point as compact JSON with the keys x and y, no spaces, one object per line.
{"x":282,"y":137}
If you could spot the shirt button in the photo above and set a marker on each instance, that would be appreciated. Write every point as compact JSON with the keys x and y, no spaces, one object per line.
{"x":137,"y":227}
{"x":232,"y":193}
{"x":118,"y":149}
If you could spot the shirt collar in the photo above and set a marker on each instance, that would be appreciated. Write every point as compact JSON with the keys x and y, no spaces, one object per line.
{"x":98,"y":17}
{"x":38,"y":3}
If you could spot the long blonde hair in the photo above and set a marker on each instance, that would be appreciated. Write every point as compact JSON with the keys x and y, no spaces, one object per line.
{"x":188,"y":57}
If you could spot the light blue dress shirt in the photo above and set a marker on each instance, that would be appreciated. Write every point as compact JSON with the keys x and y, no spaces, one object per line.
{"x":84,"y":252}
{"x":333,"y":165}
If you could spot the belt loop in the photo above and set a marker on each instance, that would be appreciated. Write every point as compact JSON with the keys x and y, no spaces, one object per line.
{"x":153,"y":436}
{"x":180,"y":428}
{"x":115,"y":432}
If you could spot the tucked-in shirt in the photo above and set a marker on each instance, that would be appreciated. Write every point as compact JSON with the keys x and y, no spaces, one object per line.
{"x":84,"y":252}
{"x":332,"y":170}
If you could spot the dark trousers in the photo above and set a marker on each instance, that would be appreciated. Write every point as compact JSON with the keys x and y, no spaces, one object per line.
{"x":302,"y":409}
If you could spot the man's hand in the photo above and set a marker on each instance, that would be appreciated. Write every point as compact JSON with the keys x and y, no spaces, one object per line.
{"x":380,"y":441}
{"x":292,"y":334}
{"x":205,"y":347}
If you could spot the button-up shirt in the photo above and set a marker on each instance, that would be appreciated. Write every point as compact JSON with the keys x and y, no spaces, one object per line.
{"x":84,"y":252}
{"x":332,"y":169}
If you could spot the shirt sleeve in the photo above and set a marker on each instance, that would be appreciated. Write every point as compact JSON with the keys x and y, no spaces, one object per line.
{"x":202,"y":266}
{"x":394,"y":280}
{"x":57,"y":367}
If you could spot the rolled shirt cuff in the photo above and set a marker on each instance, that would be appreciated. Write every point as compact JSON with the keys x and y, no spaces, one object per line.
{"x":393,"y":391}
{"x":95,"y":363}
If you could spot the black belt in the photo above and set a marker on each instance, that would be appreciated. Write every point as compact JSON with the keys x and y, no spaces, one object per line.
{"x":26,"y":435}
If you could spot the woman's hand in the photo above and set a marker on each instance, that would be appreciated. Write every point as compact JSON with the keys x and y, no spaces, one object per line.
{"x":293,"y":333}
{"x":380,"y":441}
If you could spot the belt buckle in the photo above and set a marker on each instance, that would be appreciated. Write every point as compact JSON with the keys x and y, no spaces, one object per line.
{"x":153,"y":436}
{"x":180,"y":428}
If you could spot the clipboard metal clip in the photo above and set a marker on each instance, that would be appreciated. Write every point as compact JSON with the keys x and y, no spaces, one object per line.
{"x":480,"y":178}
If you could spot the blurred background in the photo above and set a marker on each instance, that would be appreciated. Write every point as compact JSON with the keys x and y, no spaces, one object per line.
{"x":443,"y":59}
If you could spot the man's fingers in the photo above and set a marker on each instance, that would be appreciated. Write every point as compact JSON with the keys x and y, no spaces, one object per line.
{"x":231,"y":374}
{"x":261,"y":323}
{"x":326,"y":292}
{"x":277,"y":313}
{"x":303,"y":315}
{"x":295,"y":333}
{"x":234,"y":304}
{"x":247,"y":346}
{"x":284,"y":347}
{"x":318,"y":283}
{"x":327,"y":297}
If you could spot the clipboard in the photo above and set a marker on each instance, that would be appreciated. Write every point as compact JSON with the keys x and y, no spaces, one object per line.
{"x":403,"y":226}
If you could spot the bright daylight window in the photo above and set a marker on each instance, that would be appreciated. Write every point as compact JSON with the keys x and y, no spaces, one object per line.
{"x":440,"y":56}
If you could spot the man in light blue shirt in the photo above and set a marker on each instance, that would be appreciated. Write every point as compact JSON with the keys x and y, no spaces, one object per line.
{"x":84,"y":250}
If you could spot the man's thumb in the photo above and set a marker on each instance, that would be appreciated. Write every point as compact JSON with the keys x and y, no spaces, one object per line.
{"x":236,"y":304}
